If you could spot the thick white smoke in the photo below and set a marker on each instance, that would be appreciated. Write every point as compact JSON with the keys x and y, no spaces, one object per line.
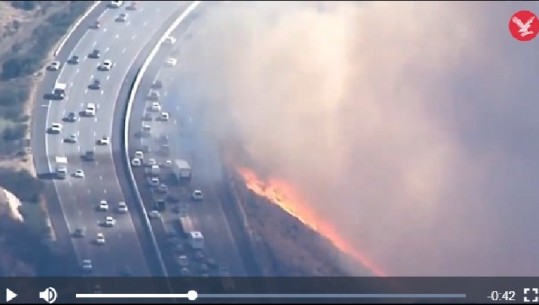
{"x":413,"y":127}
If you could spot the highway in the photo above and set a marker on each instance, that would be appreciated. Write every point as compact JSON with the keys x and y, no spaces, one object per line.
{"x":189,"y":141}
{"x":120,"y":42}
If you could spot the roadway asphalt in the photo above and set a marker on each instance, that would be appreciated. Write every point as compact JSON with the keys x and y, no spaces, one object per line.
{"x":79,"y":197}
{"x":222,"y":237}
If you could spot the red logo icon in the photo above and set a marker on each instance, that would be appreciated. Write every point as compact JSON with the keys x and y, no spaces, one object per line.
{"x":524,"y":25}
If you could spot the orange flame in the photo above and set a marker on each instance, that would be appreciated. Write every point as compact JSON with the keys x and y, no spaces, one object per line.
{"x":282,"y":194}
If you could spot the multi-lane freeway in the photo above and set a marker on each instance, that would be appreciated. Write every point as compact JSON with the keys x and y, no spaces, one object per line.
{"x":120,"y":42}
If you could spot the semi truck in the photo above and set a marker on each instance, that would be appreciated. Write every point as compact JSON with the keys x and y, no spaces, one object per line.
{"x":60,"y":167}
{"x":181,"y":169}
{"x":59,"y":90}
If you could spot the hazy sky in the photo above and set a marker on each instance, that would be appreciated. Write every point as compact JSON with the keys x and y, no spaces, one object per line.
{"x":413,"y":127}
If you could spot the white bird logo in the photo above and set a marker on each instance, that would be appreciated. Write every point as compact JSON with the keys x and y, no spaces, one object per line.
{"x":524,"y":28}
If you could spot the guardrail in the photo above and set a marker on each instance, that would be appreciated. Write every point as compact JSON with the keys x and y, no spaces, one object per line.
{"x":74,"y":27}
{"x":132,"y":95}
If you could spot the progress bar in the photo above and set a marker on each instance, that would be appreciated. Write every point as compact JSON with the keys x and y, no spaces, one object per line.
{"x":193,"y":295}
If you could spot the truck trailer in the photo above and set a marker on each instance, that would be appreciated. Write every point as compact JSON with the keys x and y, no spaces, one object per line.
{"x":60,"y":167}
{"x":181,"y":169}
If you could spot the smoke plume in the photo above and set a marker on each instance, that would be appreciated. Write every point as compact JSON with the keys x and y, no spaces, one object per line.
{"x":412,"y":127}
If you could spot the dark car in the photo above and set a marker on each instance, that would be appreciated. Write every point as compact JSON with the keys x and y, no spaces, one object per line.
{"x":96,"y":25}
{"x":71,"y":117}
{"x":74,"y":60}
{"x":95,"y":85}
{"x":157,"y":84}
{"x":95,"y":54}
{"x":89,"y":155}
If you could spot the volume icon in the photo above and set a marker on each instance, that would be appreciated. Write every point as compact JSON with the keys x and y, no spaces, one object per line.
{"x":10,"y":295}
{"x":48,"y":295}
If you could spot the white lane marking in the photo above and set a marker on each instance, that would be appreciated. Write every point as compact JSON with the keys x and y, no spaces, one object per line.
{"x":133,"y":37}
{"x":94,"y":134}
{"x":123,"y":50}
{"x":104,"y":30}
{"x":96,"y":163}
{"x":177,"y":108}
{"x":45,"y":105}
{"x":69,"y":182}
{"x":78,"y":148}
{"x":71,"y":84}
{"x":108,"y":77}
{"x":165,"y":93}
{"x":145,"y":23}
{"x":175,"y":122}
{"x":105,"y":191}
{"x":102,"y":92}
{"x":66,"y":98}
{"x":117,"y":36}
{"x":78,"y":133}
{"x":95,"y":119}
{"x":91,"y":77}
{"x":107,"y":49}
{"x":101,"y":178}
{"x":77,"y":71}
{"x":95,"y":44}
{"x":89,"y":192}
{"x":127,"y":23}
{"x":85,"y":90}
{"x":64,"y":112}
{"x":81,"y":104}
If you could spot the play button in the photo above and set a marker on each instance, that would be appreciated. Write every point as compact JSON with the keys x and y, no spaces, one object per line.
{"x":10,"y":295}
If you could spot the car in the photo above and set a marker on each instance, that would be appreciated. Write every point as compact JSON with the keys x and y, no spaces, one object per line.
{"x":146,"y":128}
{"x":139,"y":154}
{"x":199,"y":255}
{"x":164,"y":139}
{"x":90,"y":110}
{"x":197,"y":195}
{"x":136,"y":162}
{"x":122,"y":207}
{"x":153,"y":181}
{"x":100,"y":239}
{"x":71,"y":117}
{"x":154,"y":214}
{"x":87,"y":265}
{"x":121,"y":18}
{"x":155,"y":107}
{"x":89,"y":155}
{"x":168,"y":163}
{"x":103,"y":206}
{"x":151,"y":162}
{"x":115,"y":4}
{"x":153,"y":95}
{"x":171,"y":62}
{"x":95,"y":85}
{"x":109,"y":221}
{"x":164,"y":149}
{"x":79,"y":174}
{"x":160,"y":205}
{"x":54,"y":66}
{"x":163,"y":117}
{"x":96,"y":25}
{"x":169,"y":40}
{"x":71,"y":139}
{"x":105,"y":65}
{"x":157,"y":84}
{"x":79,"y":232}
{"x":162,"y":188}
{"x":183,"y":261}
{"x":146,"y":148}
{"x":132,"y":6}
{"x":55,"y":128}
{"x":95,"y":54}
{"x":74,"y":60}
{"x":185,"y":271}
{"x":103,"y":141}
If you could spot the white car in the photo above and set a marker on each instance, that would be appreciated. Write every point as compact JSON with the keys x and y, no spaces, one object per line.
{"x":164,"y":117}
{"x":197,"y":195}
{"x":122,"y":207}
{"x":103,"y":205}
{"x":109,"y":221}
{"x":106,"y":65}
{"x":104,"y":141}
{"x":151,"y":162}
{"x":153,"y":95}
{"x":122,"y":17}
{"x":71,"y":139}
{"x":146,"y":128}
{"x":115,"y":4}
{"x":54,"y":66}
{"x":136,"y":162}
{"x":79,"y":173}
{"x":100,"y":239}
{"x":169,"y":40}
{"x":87,"y":265}
{"x":139,"y":154}
{"x":90,"y":110}
{"x":155,"y":107}
{"x":171,"y":62}
{"x":154,"y":214}
{"x":55,"y":128}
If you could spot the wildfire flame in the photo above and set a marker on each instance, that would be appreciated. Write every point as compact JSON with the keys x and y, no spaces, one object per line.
{"x":285,"y":196}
